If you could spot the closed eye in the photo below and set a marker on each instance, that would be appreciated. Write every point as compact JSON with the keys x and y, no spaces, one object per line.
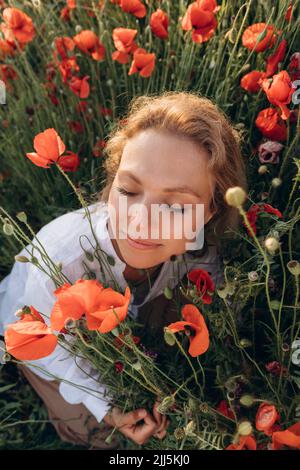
{"x":127,"y":193}
{"x":123,"y":191}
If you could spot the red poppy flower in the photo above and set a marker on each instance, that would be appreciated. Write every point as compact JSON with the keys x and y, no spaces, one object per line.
{"x":17,"y":26}
{"x":225,"y":410}
{"x":274,"y":59}
{"x":7,"y":73}
{"x":135,"y":7}
{"x":204,"y":284}
{"x":30,"y":338}
{"x":119,"y":366}
{"x":124,"y":39}
{"x":63,"y":45}
{"x":98,"y":147}
{"x":250,"y":81}
{"x":289,"y":12}
{"x":289,"y":438}
{"x":69,"y":162}
{"x":76,"y":127}
{"x":271,"y":125}
{"x":266,"y":417}
{"x":67,"y":68}
{"x":80,"y":86}
{"x":294,"y":66}
{"x":87,"y":41}
{"x":48,"y":146}
{"x":6,"y":49}
{"x":195,"y":327}
{"x":103,"y":308}
{"x":143,"y":63}
{"x":253,"y":33}
{"x":279,"y":91}
{"x":255,"y":209}
{"x":245,"y":443}
{"x":159,"y":23}
{"x":201,"y":19}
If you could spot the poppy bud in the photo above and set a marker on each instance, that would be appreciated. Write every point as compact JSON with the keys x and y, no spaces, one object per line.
{"x":169,"y":337}
{"x":245,"y":428}
{"x":168,"y":293}
{"x":247,"y":400}
{"x":235,"y":196}
{"x":263,"y":169}
{"x":137,"y":366}
{"x":166,"y":404}
{"x":272,"y":244}
{"x":276,"y":182}
{"x":253,"y":276}
{"x":190,"y":428}
{"x":21,"y":259}
{"x":245,"y":343}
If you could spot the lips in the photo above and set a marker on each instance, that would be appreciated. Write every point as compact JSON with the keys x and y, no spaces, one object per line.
{"x":141,"y":244}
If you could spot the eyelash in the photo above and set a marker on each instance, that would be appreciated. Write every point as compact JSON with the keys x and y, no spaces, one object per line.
{"x":126,"y":193}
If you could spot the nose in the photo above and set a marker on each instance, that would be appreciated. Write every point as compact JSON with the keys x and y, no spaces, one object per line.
{"x":140,"y":218}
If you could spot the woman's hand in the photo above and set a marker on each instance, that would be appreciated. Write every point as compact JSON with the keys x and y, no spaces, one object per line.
{"x":127,"y":423}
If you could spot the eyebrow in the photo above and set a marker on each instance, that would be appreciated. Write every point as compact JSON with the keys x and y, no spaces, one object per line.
{"x":178,"y":189}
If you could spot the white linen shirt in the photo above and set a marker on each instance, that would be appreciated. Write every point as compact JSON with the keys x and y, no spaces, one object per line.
{"x":28,"y":285}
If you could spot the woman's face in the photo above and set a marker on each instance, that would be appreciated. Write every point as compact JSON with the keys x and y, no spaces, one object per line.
{"x":158,"y":168}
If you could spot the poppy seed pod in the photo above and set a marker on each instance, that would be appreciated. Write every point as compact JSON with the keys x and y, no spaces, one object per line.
{"x":235,"y":196}
{"x":294,"y":267}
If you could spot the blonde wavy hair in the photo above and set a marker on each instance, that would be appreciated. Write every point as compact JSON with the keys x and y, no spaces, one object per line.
{"x":199,"y":119}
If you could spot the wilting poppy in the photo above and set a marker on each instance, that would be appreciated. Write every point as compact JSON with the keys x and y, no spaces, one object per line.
{"x":30,"y":338}
{"x":17,"y":26}
{"x":271,"y":125}
{"x":252,"y":34}
{"x":204,"y":284}
{"x":48,"y":146}
{"x":289,"y":438}
{"x":195,"y":327}
{"x":201,"y":19}
{"x":279,"y":91}
{"x":143,"y":63}
{"x":266,"y":417}
{"x":269,"y":152}
{"x":245,"y":443}
{"x":274,"y":59}
{"x":251,"y":214}
{"x":80,"y":86}
{"x":103,"y":308}
{"x":225,"y":410}
{"x":159,"y":23}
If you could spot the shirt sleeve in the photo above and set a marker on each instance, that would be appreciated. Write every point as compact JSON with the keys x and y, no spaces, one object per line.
{"x":79,"y":381}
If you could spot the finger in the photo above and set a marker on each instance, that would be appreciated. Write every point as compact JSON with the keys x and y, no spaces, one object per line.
{"x":158,"y":416}
{"x":140,"y":433}
{"x":160,"y":434}
{"x":163,"y":423}
{"x":133,"y":416}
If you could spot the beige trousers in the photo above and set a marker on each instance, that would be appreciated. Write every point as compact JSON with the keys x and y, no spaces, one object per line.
{"x":73,"y":423}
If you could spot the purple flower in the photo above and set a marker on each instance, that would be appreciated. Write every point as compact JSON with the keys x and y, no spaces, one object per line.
{"x":269,"y":151}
